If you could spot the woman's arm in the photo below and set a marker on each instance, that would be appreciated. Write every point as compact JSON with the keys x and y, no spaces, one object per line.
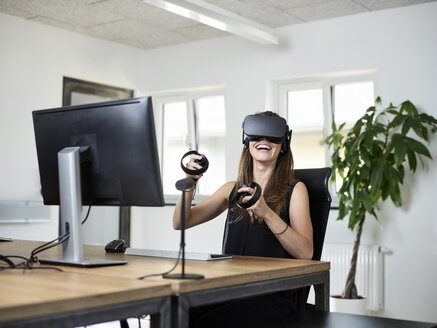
{"x":205,"y":210}
{"x":297,"y":238}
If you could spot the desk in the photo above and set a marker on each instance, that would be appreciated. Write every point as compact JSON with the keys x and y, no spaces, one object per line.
{"x":49,"y":298}
{"x":224,"y":279}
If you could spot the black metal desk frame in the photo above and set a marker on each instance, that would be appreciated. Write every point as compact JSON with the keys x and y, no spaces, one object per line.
{"x":159,"y":307}
{"x":184,"y":301}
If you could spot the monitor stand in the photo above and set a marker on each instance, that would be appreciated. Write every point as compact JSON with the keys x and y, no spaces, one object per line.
{"x":71,"y":207}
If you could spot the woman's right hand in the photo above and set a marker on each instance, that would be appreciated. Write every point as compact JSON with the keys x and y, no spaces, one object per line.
{"x":192,"y":165}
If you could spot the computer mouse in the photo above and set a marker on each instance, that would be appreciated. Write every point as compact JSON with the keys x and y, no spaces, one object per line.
{"x":116,"y":246}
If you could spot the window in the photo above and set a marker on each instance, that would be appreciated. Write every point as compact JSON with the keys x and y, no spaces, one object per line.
{"x":305,"y":117}
{"x":191,"y":121}
{"x":311,"y":104}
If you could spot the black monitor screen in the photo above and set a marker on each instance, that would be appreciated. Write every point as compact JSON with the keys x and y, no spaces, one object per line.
{"x":121,"y":165}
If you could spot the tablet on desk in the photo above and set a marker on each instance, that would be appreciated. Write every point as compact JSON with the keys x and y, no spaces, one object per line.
{"x":174,"y":254}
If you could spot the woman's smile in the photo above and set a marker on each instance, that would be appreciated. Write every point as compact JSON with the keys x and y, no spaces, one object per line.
{"x":263,"y":147}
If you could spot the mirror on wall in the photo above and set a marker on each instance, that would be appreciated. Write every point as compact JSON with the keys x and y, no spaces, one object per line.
{"x":104,"y":223}
{"x":78,"y":92}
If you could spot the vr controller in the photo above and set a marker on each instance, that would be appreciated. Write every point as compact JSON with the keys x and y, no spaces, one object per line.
{"x":255,"y":196}
{"x":202,"y":162}
{"x":273,"y":128}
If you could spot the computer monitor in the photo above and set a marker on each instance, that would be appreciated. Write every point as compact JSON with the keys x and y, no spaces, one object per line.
{"x":96,"y":154}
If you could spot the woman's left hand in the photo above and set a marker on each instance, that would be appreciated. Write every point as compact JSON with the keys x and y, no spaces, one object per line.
{"x":257,"y":211}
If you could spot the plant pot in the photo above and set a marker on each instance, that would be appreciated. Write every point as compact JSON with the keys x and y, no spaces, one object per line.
{"x":353,"y":306}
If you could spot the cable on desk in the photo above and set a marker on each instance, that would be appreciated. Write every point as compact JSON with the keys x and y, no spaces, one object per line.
{"x":55,"y":242}
{"x":7,"y":260}
{"x":28,"y":262}
{"x":161,"y":274}
{"x":29,"y":267}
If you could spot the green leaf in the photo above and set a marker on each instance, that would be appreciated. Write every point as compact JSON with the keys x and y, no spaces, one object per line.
{"x":418,"y":127}
{"x":371,"y":109}
{"x":342,"y":210}
{"x":390,"y":175}
{"x":385,"y":191}
{"x":376,"y":178}
{"x":425,"y":133}
{"x":407,"y":125}
{"x":365,"y":200}
{"x":400,"y":150}
{"x":341,"y":126}
{"x":398,"y":120}
{"x":411,"y":159}
{"x":417,"y":147}
{"x":375,"y":196}
{"x":401,"y":173}
{"x":333,"y":126}
{"x":427,"y":119}
{"x":354,"y":218}
{"x":392,"y":111}
{"x":378,"y":101}
{"x":396,"y":196}
{"x":408,"y":107}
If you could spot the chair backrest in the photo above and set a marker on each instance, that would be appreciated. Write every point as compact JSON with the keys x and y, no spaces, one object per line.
{"x":316,"y":181}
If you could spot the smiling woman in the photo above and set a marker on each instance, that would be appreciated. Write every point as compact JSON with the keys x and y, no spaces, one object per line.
{"x":264,"y":150}
{"x":274,"y":223}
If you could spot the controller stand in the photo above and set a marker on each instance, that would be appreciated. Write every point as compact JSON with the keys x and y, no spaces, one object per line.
{"x":183,"y":185}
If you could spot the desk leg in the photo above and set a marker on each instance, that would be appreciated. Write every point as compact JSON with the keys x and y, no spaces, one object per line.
{"x":180,"y":312}
{"x":322,"y":294}
{"x":163,"y":319}
{"x":155,"y":320}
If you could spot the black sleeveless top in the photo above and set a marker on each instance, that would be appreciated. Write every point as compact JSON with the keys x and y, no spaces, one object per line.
{"x":253,"y":239}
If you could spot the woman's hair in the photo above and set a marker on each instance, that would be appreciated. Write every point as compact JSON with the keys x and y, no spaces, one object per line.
{"x":279,"y":183}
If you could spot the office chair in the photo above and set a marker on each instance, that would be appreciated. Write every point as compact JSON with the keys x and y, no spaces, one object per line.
{"x":316,"y":181}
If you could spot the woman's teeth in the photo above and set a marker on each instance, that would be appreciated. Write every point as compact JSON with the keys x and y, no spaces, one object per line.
{"x":263,"y":147}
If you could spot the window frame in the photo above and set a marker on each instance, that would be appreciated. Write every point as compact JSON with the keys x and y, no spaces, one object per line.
{"x":189,"y":96}
{"x":326,"y":82}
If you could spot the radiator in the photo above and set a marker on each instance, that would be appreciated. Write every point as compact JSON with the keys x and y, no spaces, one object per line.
{"x":369,"y":277}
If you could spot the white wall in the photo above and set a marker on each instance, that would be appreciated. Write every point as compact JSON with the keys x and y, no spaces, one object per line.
{"x":33,"y":60}
{"x":400,"y":43}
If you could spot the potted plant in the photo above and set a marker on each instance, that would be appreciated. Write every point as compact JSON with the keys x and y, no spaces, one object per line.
{"x":371,"y":162}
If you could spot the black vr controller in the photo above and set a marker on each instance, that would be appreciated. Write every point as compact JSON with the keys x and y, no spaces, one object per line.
{"x":272,"y":128}
{"x":202,"y":162}
{"x":254,"y":198}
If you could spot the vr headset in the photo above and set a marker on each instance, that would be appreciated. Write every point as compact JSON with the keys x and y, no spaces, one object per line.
{"x":272,"y":128}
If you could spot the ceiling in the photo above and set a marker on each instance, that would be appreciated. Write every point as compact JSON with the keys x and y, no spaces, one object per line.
{"x":140,"y":25}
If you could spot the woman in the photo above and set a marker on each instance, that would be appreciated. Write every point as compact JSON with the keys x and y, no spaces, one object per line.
{"x":277,"y":225}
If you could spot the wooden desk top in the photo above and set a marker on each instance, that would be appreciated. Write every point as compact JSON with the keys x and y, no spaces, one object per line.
{"x":31,"y":293}
{"x":219,"y":273}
